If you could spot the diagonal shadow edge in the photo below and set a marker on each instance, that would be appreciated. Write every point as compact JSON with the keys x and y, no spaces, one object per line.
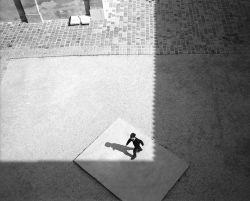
{"x":90,"y":175}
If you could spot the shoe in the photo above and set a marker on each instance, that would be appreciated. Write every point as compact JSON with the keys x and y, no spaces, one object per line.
{"x":133,"y":157}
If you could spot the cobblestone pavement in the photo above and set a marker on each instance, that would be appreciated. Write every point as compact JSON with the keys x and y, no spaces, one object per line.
{"x":143,"y":27}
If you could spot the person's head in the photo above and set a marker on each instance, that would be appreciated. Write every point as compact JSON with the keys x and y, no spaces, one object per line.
{"x":132,"y":136}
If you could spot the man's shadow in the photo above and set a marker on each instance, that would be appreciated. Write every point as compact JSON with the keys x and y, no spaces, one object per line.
{"x":120,"y":148}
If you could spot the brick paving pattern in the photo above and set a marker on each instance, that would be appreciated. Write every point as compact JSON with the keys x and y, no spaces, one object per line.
{"x":142,"y":27}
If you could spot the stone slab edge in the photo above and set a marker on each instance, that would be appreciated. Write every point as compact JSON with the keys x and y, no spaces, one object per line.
{"x":17,"y":53}
{"x":153,"y":138}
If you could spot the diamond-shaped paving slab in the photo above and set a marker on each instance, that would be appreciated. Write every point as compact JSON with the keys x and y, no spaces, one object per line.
{"x":148,"y":177}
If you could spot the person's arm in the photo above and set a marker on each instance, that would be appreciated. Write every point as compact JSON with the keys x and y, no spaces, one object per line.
{"x":141,"y":142}
{"x":129,"y":140}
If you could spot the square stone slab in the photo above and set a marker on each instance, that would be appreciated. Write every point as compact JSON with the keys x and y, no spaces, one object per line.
{"x":85,"y":20}
{"x":74,"y":20}
{"x":149,"y":177}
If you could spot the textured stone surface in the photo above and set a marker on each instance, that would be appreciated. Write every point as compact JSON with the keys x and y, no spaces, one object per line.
{"x":201,"y":101}
{"x":169,"y":27}
{"x":97,"y":14}
{"x":85,"y":20}
{"x":148,"y":177}
{"x":74,"y":20}
{"x":8,"y":11}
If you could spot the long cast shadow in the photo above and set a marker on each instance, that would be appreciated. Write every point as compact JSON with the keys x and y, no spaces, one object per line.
{"x":119,"y":147}
{"x":196,"y":97}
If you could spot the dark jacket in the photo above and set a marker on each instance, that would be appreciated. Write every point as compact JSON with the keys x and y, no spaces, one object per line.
{"x":136,"y":142}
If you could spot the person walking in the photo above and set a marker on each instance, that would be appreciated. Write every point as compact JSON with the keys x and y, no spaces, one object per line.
{"x":137,"y":142}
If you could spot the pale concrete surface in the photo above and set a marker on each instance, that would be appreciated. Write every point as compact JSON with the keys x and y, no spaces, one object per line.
{"x":49,"y":9}
{"x":8,"y":11}
{"x":148,"y":177}
{"x":63,"y":98}
{"x":195,"y":105}
{"x":117,"y":133}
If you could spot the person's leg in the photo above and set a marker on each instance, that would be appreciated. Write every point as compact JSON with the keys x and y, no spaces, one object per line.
{"x":134,"y":154}
{"x":139,"y":149}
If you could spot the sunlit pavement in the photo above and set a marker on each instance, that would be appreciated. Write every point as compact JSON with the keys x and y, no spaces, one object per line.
{"x":169,"y":83}
{"x":194,"y":105}
{"x":64,"y":98}
{"x":147,"y":176}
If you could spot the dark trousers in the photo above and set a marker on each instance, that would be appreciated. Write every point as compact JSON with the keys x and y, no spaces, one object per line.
{"x":136,"y":149}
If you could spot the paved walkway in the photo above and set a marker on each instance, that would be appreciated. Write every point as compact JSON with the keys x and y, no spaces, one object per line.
{"x":197,"y":106}
{"x":200,"y":101}
{"x":143,"y":27}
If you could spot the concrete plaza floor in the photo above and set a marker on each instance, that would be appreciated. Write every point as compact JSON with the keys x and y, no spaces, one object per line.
{"x":197,"y":106}
{"x":191,"y":101}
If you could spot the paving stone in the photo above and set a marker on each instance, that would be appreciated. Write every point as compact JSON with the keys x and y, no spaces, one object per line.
{"x":74,"y":20}
{"x":169,"y":27}
{"x":85,"y":20}
{"x":148,"y":177}
{"x":97,"y":14}
{"x":33,"y":18}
